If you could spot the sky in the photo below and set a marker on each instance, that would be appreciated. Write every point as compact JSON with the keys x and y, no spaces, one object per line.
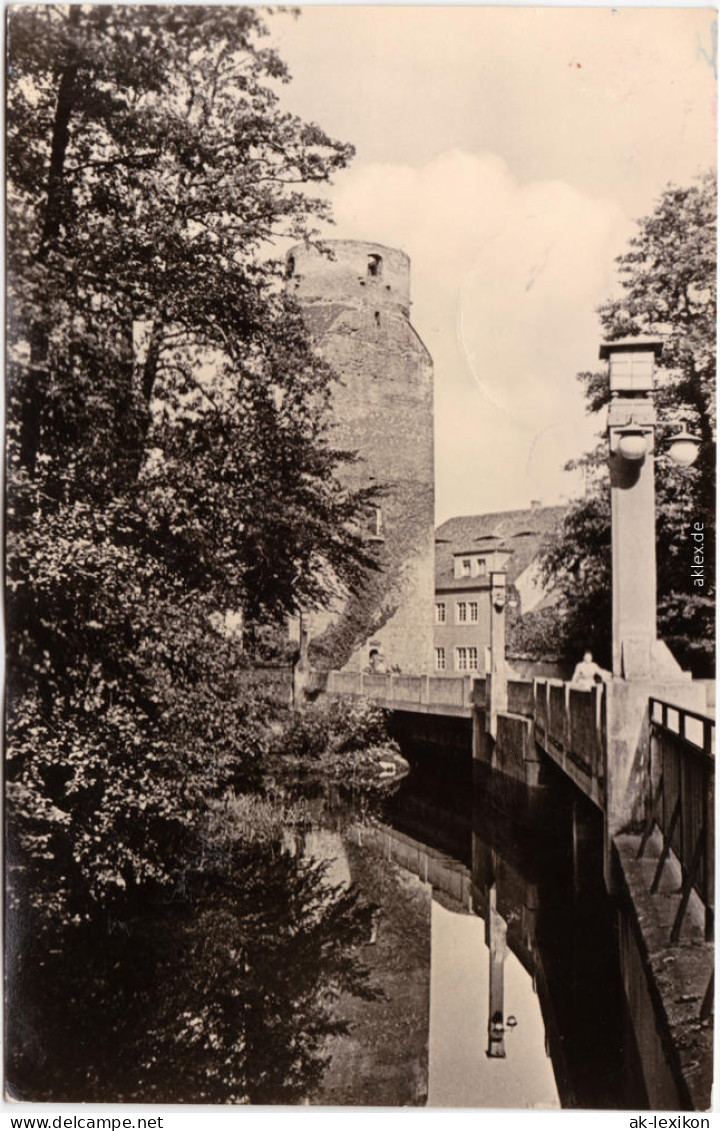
{"x":508,"y":151}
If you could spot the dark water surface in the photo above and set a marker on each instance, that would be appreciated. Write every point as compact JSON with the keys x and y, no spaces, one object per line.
{"x":494,"y":949}
{"x":410,"y":949}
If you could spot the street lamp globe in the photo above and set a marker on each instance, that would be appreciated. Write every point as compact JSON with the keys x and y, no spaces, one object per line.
{"x":632,"y":446}
{"x":684,"y":448}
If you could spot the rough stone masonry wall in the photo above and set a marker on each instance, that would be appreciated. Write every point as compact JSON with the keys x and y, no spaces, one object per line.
{"x":382,"y":409}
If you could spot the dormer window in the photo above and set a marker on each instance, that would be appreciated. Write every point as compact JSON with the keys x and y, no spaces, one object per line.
{"x":374,"y":266}
{"x":463,"y":565}
{"x":473,"y":565}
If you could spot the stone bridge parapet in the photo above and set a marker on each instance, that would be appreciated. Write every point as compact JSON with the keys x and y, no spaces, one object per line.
{"x":430,"y":695}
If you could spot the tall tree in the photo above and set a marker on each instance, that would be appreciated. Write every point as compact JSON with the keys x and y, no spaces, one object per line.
{"x":668,"y":291}
{"x":168,"y":458}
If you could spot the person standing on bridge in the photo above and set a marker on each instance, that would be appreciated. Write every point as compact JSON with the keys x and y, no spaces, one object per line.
{"x":587,"y":672}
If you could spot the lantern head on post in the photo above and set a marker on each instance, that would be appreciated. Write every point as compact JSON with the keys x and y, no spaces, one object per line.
{"x":631,"y":365}
{"x":631,"y":420}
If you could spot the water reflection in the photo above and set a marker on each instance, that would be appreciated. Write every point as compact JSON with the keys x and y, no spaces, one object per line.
{"x":472,"y":1063}
{"x":224,"y":993}
{"x":498,"y":946}
{"x":410,"y":952}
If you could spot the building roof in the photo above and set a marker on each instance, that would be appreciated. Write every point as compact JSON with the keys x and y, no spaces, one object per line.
{"x":519,"y":533}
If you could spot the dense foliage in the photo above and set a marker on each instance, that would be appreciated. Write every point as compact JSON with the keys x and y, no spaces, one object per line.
{"x":221,"y":991}
{"x":339,"y":726}
{"x":668,"y":291}
{"x":167,"y":456}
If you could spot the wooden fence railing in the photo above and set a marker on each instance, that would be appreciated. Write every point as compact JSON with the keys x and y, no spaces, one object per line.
{"x":683,"y":762}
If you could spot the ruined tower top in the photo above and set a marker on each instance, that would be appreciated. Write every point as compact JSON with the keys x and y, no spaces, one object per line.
{"x":356,"y":273}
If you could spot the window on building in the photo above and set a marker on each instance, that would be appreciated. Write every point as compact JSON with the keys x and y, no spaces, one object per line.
{"x":473,"y":607}
{"x":460,"y":612}
{"x":440,"y":612}
{"x":465,"y":567}
{"x":440,"y":659}
{"x":481,"y":566}
{"x":374,"y":268}
{"x":466,"y":659}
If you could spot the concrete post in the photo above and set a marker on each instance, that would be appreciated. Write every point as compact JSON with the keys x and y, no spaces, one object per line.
{"x":642,"y":664}
{"x":497,"y":676}
{"x":425,"y":689}
{"x":498,"y":600}
{"x":637,"y":653}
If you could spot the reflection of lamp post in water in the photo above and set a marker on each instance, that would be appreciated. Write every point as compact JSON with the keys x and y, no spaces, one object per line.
{"x":496,"y":939}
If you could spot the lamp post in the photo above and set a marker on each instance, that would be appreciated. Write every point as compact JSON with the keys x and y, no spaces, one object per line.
{"x":498,"y":603}
{"x":497,"y":677}
{"x":637,"y":652}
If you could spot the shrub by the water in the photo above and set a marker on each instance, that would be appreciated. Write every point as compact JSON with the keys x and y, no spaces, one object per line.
{"x":335,"y":726}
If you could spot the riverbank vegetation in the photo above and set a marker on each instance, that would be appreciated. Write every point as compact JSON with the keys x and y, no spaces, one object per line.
{"x":168,"y":464}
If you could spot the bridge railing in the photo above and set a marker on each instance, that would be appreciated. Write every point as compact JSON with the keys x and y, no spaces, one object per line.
{"x":520,"y":697}
{"x":390,"y":689}
{"x":409,"y":688}
{"x":344,"y":683}
{"x":586,"y":729}
{"x":376,"y":686}
{"x":682,"y":757}
{"x":572,"y":720}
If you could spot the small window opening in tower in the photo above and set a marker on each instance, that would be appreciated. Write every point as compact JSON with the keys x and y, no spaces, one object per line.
{"x":290,"y":267}
{"x":374,"y":268}
{"x":377,"y":317}
{"x":375,"y":525}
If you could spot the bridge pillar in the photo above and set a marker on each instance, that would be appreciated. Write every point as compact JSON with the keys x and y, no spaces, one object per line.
{"x":642,"y":665}
{"x":637,"y":652}
{"x":627,"y":768}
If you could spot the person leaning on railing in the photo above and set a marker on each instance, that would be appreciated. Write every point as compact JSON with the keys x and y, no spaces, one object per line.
{"x":587,"y":672}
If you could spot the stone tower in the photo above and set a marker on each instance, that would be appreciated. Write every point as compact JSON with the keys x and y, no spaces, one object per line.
{"x":356,"y":306}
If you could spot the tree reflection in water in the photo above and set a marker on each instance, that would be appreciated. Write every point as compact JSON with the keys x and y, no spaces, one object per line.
{"x":223,"y":993}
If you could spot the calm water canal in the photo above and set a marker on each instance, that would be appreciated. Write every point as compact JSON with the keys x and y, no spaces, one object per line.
{"x":494,"y":951}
